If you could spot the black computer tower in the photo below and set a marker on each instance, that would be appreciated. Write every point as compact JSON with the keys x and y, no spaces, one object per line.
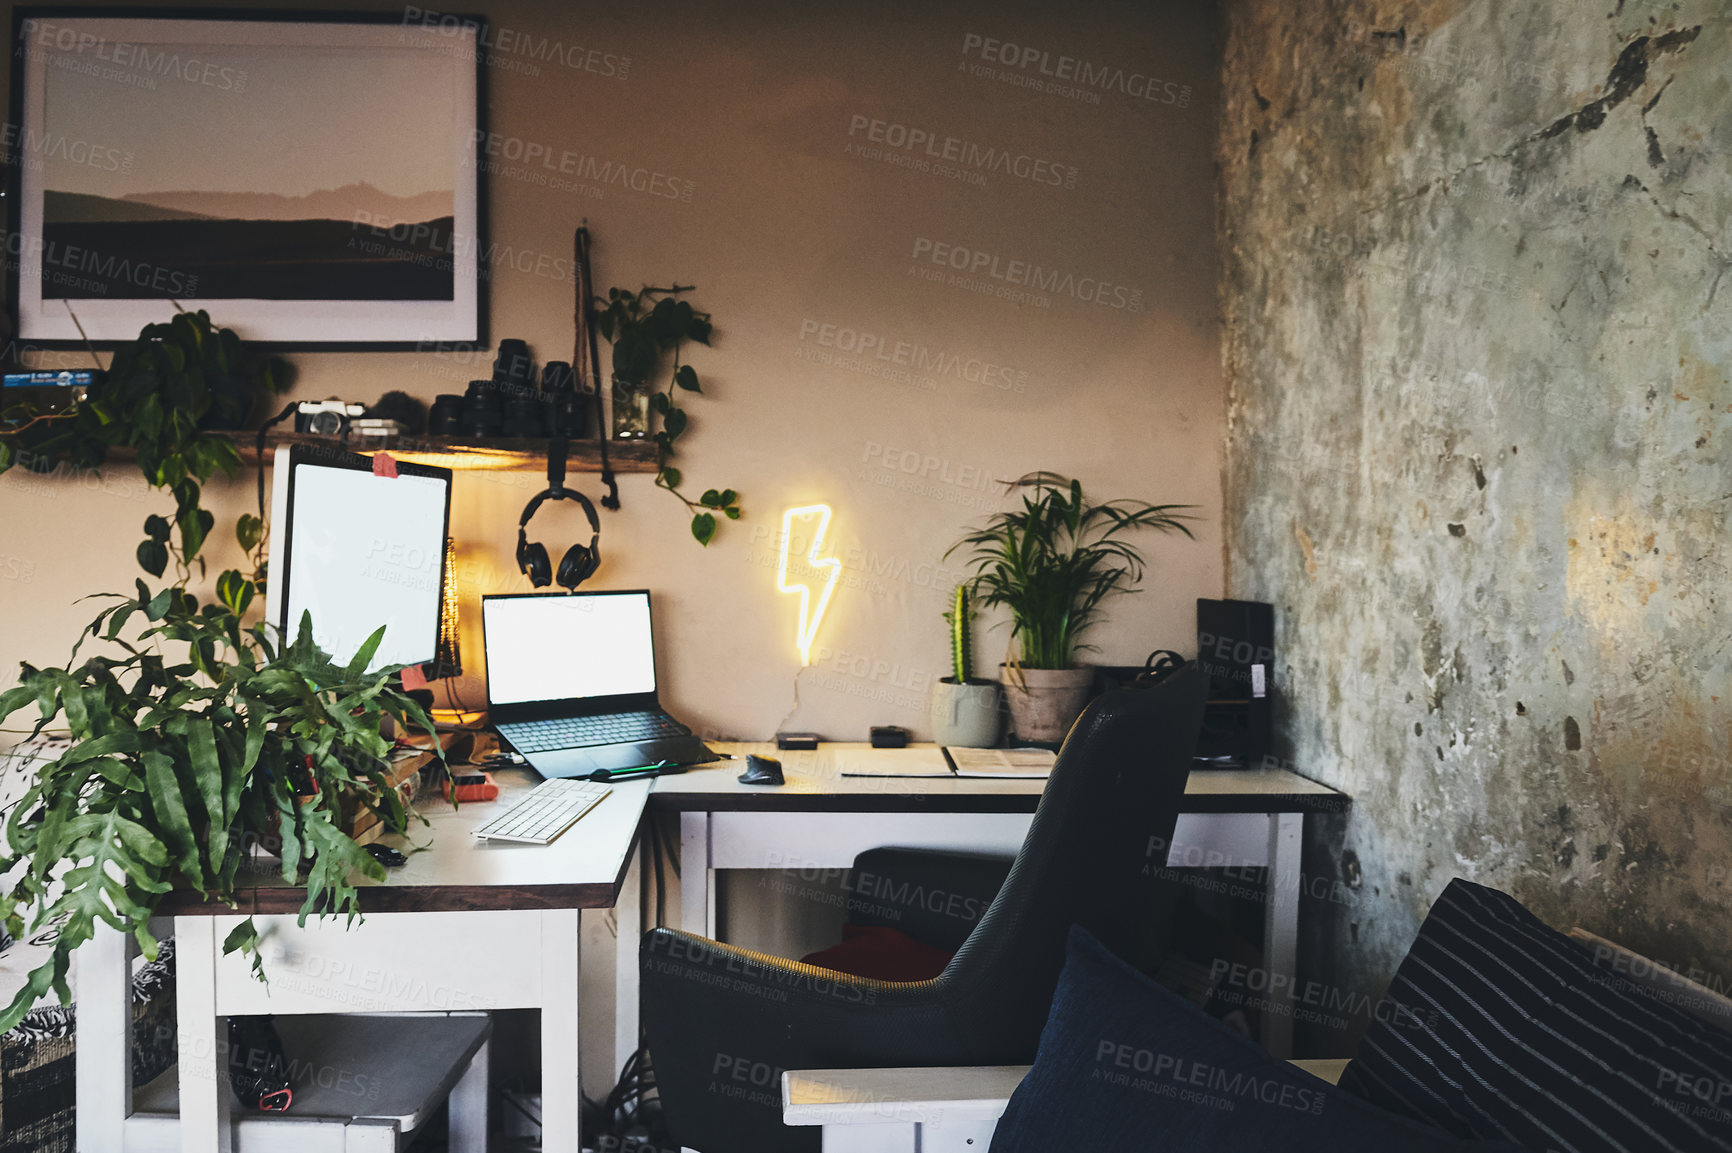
{"x":1236,"y":650}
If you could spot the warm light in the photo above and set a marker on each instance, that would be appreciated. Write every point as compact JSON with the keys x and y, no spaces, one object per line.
{"x":448,"y":661}
{"x":810,"y":613}
{"x":461,"y":459}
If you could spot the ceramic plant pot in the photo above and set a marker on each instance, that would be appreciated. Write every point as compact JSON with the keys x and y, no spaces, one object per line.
{"x":965,"y":715}
{"x":1044,"y":703}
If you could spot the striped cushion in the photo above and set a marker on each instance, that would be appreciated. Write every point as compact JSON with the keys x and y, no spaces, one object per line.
{"x":1516,"y":1034}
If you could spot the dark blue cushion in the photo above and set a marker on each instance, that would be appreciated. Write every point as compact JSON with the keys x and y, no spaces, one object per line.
{"x":1516,"y":1034}
{"x":1125,"y":1065}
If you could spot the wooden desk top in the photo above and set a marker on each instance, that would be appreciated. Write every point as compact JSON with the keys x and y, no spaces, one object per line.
{"x":816,"y":784}
{"x":583,"y":869}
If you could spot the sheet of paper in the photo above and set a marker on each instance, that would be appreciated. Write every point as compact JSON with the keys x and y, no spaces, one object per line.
{"x":869,"y":762}
{"x":1013,"y":763}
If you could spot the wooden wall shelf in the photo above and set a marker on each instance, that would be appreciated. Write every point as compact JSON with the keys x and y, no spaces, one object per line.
{"x":499,"y":454}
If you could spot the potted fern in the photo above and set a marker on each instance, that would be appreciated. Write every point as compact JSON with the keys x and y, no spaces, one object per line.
{"x":196,"y":738}
{"x":965,"y":708}
{"x":1053,"y":563}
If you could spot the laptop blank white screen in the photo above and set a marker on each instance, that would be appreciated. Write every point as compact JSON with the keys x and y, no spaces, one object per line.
{"x":558,"y":647}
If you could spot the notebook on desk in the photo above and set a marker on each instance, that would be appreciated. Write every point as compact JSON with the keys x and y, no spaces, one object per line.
{"x":1008,"y":764}
{"x":1012,"y":764}
{"x":571,"y":683}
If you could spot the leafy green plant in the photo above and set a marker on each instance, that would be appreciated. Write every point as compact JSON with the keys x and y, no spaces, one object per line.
{"x":165,"y":397}
{"x":203,"y":736}
{"x":1056,"y":559}
{"x":644,"y":327}
{"x":180,"y":764}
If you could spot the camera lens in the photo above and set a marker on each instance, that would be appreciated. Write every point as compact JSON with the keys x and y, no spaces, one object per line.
{"x":513,"y":368}
{"x":446,"y":416}
{"x":325,"y":424}
{"x":525,"y":417}
{"x":556,"y":378}
{"x":483,"y":414}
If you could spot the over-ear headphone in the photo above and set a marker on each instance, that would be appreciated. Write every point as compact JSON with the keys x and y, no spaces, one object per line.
{"x":580,"y":560}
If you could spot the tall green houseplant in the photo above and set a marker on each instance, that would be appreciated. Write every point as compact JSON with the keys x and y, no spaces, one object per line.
{"x":198,"y":737}
{"x":1053,"y":562}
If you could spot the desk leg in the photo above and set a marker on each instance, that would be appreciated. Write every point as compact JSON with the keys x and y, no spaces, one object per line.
{"x":204,"y":1088}
{"x":628,"y":928}
{"x":467,"y":1107}
{"x":104,"y":1068}
{"x":1281,"y":922}
{"x":697,"y":884}
{"x":561,"y":1087}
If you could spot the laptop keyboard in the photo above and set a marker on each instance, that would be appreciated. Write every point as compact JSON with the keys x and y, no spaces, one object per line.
{"x":581,"y":732}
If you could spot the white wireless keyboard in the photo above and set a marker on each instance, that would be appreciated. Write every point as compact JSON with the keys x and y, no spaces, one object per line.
{"x":550,"y":808}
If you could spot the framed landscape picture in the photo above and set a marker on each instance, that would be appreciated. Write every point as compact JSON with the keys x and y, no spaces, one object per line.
{"x":309,"y":180}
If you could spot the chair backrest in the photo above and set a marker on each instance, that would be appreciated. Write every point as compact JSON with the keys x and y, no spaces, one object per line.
{"x":934,"y":895}
{"x":1092,"y":856}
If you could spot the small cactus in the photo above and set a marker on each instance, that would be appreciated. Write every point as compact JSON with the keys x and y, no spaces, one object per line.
{"x":961,"y":635}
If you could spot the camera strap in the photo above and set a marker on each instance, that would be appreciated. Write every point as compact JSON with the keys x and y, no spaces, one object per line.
{"x":589,"y":359}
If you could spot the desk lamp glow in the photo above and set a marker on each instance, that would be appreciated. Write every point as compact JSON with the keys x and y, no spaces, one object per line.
{"x":811,"y":612}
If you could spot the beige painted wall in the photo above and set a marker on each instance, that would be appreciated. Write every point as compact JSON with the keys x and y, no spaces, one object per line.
{"x":785,"y":232}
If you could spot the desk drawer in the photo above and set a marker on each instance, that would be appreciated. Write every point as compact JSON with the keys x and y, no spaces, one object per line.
{"x":389,"y":963}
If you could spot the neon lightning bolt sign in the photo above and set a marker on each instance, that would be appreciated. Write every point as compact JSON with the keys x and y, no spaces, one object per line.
{"x":816,"y":568}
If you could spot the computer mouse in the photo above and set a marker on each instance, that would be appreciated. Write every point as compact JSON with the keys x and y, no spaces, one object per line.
{"x":386,"y":855}
{"x":762,"y":771}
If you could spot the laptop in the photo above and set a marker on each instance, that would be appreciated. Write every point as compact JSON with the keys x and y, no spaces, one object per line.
{"x":571,"y":683}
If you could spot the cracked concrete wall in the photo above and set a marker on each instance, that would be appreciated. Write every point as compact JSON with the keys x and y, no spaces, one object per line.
{"x":1476,"y":340}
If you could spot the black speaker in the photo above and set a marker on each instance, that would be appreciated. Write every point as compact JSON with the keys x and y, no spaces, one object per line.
{"x":1236,"y":651}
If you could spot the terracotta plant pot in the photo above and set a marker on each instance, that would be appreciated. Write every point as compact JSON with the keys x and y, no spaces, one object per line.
{"x":965,"y":715}
{"x":1046,"y":702}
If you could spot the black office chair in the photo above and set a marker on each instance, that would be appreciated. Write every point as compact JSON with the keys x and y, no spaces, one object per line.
{"x":723,"y":1023}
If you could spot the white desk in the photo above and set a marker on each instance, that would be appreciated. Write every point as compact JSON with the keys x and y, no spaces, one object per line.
{"x":821,"y":819}
{"x":464,"y":925}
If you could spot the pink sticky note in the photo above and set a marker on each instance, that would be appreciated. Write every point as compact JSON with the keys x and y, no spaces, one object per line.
{"x":384,"y":465}
{"x":413,"y":678}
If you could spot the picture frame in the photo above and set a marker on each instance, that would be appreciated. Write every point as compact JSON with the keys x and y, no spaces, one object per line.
{"x":354,"y":219}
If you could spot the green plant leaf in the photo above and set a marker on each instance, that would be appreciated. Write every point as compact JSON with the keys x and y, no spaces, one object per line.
{"x":156,"y":527}
{"x":207,"y":774}
{"x":364,"y":655}
{"x":687,"y":379}
{"x":704,"y":528}
{"x":249,"y":530}
{"x":173,"y":820}
{"x":674,"y":422}
{"x":195,"y":523}
{"x":669,"y":477}
{"x":731,"y":512}
{"x":45,"y":976}
{"x":711,"y":499}
{"x":244,"y":938}
{"x":152,"y":557}
{"x":158,"y":605}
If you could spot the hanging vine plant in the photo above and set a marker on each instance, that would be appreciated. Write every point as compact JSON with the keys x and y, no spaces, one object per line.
{"x":644,"y":327}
